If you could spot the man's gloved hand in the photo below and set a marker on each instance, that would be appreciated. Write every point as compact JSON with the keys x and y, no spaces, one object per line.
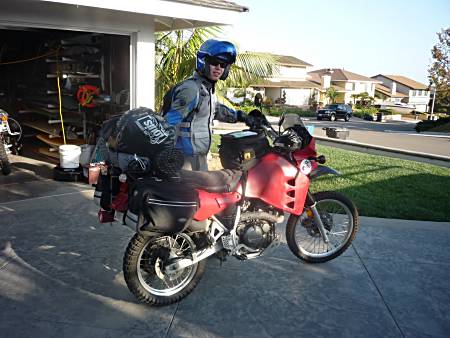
{"x":249,"y":120}
{"x":241,"y":116}
{"x":252,"y":122}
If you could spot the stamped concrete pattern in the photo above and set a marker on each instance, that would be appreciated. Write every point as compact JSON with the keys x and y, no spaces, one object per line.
{"x":61,"y":276}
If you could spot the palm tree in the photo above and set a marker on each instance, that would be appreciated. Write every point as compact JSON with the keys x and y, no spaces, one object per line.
{"x":332,"y":94}
{"x":176,"y":57}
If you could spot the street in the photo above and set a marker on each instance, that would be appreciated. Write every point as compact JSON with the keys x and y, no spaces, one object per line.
{"x":360,"y":124}
{"x":395,"y":134}
{"x":398,"y":135}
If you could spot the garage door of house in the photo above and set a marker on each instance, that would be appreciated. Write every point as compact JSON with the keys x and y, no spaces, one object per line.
{"x":297,"y":97}
{"x":87,"y":73}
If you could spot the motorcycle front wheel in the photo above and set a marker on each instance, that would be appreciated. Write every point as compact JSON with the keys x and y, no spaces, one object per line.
{"x":340,"y":220}
{"x":144,"y":273}
{"x":4,"y":162}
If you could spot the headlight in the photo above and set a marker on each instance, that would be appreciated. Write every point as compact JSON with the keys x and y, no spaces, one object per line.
{"x":305,"y":167}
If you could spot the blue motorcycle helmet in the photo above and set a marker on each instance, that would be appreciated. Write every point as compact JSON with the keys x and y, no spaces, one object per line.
{"x":223,"y":50}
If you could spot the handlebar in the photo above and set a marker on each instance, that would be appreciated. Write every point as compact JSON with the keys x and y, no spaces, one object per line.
{"x":321,"y":159}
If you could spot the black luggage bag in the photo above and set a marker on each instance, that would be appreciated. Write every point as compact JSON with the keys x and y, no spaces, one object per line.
{"x":241,"y":150}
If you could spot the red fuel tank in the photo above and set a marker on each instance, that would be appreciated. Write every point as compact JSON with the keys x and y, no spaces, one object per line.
{"x":278,"y":182}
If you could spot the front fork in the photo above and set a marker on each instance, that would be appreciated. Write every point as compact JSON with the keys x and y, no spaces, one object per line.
{"x":311,"y":204}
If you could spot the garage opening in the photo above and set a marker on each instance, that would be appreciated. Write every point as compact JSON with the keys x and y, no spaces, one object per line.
{"x":88,"y":74}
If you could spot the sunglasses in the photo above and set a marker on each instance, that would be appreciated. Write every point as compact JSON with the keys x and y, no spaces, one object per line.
{"x":217,"y":62}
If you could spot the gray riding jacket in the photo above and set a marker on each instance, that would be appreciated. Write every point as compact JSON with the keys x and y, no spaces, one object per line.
{"x":192,"y":111}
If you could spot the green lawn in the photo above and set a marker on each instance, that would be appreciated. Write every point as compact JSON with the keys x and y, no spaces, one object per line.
{"x":388,"y":187}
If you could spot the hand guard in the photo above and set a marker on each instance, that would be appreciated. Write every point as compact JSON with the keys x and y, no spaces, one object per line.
{"x":295,"y":140}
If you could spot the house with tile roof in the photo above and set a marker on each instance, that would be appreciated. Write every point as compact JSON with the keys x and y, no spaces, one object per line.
{"x":346,"y":84}
{"x":290,"y":84}
{"x":397,"y":88}
{"x":299,"y":86}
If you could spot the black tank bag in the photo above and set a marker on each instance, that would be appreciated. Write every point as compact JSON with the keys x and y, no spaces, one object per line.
{"x":241,"y":150}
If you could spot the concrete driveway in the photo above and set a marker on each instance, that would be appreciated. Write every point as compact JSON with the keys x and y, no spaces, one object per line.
{"x":61,"y":276}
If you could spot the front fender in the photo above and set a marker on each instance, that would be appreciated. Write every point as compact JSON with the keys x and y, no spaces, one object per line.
{"x":323,"y":170}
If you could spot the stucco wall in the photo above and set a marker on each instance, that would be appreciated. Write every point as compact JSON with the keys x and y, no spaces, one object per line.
{"x":291,"y":73}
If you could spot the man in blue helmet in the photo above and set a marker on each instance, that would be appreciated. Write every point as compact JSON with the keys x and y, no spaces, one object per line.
{"x":193,"y":106}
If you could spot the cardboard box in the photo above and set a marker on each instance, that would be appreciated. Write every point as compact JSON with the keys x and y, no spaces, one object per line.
{"x":341,"y":134}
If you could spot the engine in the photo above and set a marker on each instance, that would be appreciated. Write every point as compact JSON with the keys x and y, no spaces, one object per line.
{"x":257,"y":234}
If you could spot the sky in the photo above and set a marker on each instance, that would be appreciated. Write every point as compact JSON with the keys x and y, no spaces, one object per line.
{"x":365,"y":37}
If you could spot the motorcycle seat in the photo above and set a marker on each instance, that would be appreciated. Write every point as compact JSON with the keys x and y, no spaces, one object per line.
{"x":225,"y":180}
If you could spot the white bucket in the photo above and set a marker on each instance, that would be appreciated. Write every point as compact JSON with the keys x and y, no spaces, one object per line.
{"x":69,"y":156}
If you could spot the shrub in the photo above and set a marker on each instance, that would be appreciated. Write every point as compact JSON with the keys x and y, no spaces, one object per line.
{"x":279,"y":110}
{"x":358,"y":113}
{"x":363,"y":112}
{"x":428,"y":124}
{"x":387,"y":111}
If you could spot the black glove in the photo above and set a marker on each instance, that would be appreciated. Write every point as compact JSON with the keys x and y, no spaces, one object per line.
{"x":241,"y":116}
{"x":249,"y":120}
{"x":252,"y":122}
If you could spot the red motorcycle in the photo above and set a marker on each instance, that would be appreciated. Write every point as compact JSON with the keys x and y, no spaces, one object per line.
{"x":183,"y":220}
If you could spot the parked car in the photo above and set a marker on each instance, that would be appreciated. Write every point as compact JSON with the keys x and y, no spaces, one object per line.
{"x":333,"y":112}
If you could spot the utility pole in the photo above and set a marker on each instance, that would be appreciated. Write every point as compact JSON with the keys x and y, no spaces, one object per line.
{"x":433,"y":89}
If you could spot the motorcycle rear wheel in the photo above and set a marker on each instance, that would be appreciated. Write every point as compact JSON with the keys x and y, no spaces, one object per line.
{"x":4,"y":162}
{"x":143,"y":268}
{"x":340,"y":219}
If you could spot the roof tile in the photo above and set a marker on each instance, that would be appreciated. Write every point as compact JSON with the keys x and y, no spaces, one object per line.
{"x":341,"y":75}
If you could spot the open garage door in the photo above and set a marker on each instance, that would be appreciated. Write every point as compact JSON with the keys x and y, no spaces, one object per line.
{"x":87,"y":74}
